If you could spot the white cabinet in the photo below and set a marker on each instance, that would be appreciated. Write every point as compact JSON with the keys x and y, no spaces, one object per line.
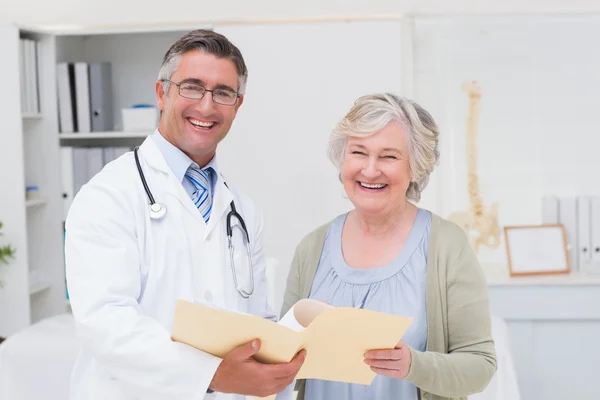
{"x":554,"y":325}
{"x":34,"y":283}
{"x":30,"y":155}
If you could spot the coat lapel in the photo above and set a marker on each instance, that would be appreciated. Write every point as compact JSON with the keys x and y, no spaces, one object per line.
{"x":172,"y":187}
{"x":222,"y":197}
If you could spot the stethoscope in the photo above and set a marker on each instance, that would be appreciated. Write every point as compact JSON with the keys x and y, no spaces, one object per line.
{"x":159,"y":210}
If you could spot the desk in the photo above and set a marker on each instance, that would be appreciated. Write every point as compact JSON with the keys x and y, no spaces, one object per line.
{"x":36,"y":363}
{"x":554,"y":327}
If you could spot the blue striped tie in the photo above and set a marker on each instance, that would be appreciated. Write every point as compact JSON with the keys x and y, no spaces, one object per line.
{"x":201,"y":197}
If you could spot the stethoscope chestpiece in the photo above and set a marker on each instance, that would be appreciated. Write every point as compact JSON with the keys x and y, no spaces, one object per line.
{"x":157,"y":211}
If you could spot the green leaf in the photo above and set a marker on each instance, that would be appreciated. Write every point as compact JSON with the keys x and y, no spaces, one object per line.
{"x":6,"y":252}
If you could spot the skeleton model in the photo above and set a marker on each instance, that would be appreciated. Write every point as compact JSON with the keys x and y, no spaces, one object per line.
{"x":481,"y":225}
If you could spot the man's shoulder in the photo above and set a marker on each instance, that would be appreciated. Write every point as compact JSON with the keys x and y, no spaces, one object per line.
{"x":246,"y":202}
{"x":114,"y":181}
{"x":117,"y":174}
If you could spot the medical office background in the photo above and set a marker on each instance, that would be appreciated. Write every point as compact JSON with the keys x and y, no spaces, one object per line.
{"x":537,"y":138}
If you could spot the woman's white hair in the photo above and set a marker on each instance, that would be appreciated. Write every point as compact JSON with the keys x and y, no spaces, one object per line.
{"x":370,"y":114}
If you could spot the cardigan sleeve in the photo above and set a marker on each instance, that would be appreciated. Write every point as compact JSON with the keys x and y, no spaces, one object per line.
{"x":293,"y":290}
{"x":303,"y":267}
{"x":293,"y":293}
{"x":471,"y":360}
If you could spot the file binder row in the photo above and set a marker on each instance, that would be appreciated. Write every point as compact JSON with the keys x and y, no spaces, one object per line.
{"x":84,"y":97}
{"x":80,"y":164}
{"x":581,"y":219}
{"x":29,"y":54}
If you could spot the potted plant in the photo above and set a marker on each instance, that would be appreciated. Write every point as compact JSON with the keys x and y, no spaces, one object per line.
{"x":6,"y":253}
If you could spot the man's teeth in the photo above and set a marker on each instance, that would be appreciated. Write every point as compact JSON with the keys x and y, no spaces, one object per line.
{"x":373,"y":185}
{"x":201,"y":123}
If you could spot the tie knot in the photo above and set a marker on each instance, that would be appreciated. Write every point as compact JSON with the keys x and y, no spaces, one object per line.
{"x":199,"y":176}
{"x":196,"y":168}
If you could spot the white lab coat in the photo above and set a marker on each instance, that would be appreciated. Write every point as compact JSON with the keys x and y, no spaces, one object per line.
{"x":125,"y":272}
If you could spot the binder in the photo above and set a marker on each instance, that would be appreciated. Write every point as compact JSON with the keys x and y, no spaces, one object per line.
{"x":36,"y":54}
{"x":65,"y":110}
{"x":101,"y":97}
{"x":29,"y":72}
{"x":550,"y":210}
{"x":108,"y":154}
{"x":23,"y":76}
{"x":119,"y":151}
{"x":82,"y":97}
{"x":66,"y":170}
{"x":112,"y":153}
{"x":584,"y":210}
{"x":95,"y":161}
{"x":29,"y":54}
{"x":568,"y":217}
{"x":73,"y":95}
{"x":80,"y":168}
{"x":595,"y":229}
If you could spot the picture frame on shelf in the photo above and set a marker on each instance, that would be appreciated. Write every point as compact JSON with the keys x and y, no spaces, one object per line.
{"x":537,"y":250}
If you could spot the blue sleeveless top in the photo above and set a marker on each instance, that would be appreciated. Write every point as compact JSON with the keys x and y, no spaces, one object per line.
{"x":396,"y":288}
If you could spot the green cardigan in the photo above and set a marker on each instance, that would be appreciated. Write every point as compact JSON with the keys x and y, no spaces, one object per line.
{"x":460,"y":358}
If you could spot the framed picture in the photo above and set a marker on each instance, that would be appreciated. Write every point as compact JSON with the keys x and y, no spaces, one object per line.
{"x":536,"y":250}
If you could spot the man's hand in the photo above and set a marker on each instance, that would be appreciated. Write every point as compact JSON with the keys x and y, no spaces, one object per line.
{"x":239,"y":373}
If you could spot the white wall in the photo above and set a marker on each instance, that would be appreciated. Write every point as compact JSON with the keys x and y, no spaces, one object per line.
{"x":538,"y":127}
{"x":538,"y":81}
{"x":110,"y":12}
{"x":303,"y":78}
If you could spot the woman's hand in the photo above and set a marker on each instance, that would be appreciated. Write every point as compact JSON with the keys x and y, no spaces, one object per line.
{"x":394,"y":363}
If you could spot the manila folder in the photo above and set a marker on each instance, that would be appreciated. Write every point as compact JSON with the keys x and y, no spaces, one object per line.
{"x":335,"y":338}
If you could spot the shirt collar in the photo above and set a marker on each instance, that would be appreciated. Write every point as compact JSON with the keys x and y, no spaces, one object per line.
{"x":176,"y":159}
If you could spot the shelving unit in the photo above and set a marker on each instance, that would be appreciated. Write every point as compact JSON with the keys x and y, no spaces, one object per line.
{"x":34,"y":282}
{"x":31,"y":115}
{"x":31,"y":154}
{"x":103,"y":135}
{"x":36,"y":202}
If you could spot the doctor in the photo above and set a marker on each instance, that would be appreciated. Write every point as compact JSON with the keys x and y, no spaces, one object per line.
{"x":128,"y":262}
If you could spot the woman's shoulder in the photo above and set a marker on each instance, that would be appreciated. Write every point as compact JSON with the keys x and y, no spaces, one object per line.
{"x":447,"y":235}
{"x":446,"y":226}
{"x":316,"y":238}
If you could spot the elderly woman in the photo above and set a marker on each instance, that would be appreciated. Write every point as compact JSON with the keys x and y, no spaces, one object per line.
{"x":390,"y":256}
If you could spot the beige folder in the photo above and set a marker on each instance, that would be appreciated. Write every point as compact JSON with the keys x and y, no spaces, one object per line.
{"x":335,"y":338}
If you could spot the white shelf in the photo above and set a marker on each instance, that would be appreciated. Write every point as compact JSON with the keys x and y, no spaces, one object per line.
{"x":35,"y":203}
{"x":37,"y":282}
{"x":500,"y":277}
{"x":104,"y":135}
{"x":32,"y":115}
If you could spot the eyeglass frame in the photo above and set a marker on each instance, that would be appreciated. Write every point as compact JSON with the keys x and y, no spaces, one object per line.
{"x":237,"y":95}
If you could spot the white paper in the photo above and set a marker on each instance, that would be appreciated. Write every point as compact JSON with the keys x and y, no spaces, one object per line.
{"x":290,"y":321}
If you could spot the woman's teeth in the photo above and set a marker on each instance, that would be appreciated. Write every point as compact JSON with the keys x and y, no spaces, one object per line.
{"x":201,"y":124}
{"x":373,"y":185}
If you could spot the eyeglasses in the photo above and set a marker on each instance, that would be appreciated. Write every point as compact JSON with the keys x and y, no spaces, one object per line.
{"x":194,"y":91}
